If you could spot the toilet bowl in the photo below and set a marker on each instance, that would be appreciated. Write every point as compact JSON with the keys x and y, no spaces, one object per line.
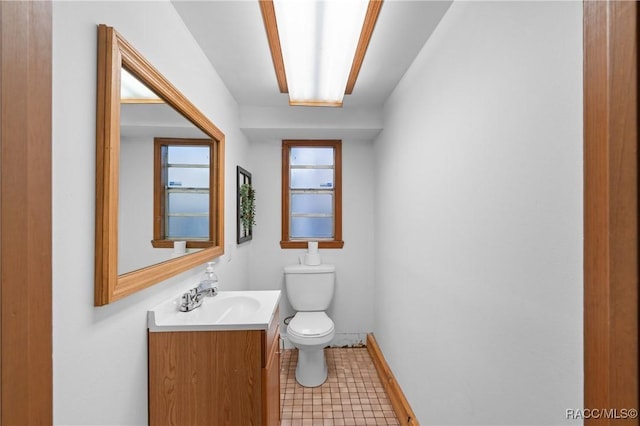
{"x":310,"y":291}
{"x":310,"y":332}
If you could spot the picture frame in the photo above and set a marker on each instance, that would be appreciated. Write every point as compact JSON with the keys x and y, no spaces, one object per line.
{"x":245,"y":204}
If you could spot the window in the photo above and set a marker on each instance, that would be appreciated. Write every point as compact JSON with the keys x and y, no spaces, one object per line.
{"x":182,"y":194}
{"x":311,"y":193}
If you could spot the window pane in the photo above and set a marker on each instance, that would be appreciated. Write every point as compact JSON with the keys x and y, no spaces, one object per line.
{"x":188,"y":177}
{"x":307,"y":156}
{"x":311,"y":227}
{"x":185,"y":154}
{"x":312,"y":203}
{"x":311,"y":178}
{"x":188,"y":227}
{"x":180,"y":202}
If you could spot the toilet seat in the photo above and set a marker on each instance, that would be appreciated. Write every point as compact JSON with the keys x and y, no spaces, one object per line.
{"x":310,"y":324}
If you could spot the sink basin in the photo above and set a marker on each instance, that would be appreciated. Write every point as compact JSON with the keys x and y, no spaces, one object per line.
{"x":228,"y":310}
{"x":234,"y":308}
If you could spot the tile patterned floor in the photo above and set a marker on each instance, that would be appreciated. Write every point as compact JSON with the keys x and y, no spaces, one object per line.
{"x":352,"y":394}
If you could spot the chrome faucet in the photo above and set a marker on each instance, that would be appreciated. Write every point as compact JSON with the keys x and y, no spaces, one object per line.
{"x":191,"y":300}
{"x":208,"y":287}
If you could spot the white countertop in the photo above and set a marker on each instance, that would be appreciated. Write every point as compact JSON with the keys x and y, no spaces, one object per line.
{"x":228,"y":310}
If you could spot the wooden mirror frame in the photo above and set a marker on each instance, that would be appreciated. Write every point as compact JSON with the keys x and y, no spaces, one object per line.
{"x":114,"y":52}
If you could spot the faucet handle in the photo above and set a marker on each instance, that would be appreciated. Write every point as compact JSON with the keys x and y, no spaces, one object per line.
{"x":191,"y":300}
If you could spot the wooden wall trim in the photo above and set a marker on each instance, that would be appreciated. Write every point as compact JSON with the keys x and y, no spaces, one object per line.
{"x":271,"y":27}
{"x":370,"y":19}
{"x":610,"y":207}
{"x":25,"y":213}
{"x":399,"y":402}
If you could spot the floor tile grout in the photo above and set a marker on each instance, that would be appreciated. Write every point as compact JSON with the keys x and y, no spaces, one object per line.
{"x":352,"y":394}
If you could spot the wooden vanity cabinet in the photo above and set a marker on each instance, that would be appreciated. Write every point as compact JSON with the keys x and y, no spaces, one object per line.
{"x":215,"y":378}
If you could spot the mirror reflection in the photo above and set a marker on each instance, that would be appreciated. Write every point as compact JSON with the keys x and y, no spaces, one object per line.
{"x":152,"y":218}
{"x":145,"y":119}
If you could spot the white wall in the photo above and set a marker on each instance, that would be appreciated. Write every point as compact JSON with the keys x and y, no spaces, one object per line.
{"x":100,"y":354}
{"x":352,"y":307}
{"x":478,"y":218}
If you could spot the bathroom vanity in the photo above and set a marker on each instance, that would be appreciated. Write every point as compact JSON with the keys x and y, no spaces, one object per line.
{"x":218,"y":364}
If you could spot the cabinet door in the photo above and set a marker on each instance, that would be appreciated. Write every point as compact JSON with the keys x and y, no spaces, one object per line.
{"x":271,"y":385}
{"x":205,"y":378}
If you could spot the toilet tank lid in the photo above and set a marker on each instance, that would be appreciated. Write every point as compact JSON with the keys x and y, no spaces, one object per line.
{"x":309,"y":269}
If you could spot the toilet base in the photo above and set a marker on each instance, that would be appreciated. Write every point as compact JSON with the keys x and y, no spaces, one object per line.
{"x":311,"y":370}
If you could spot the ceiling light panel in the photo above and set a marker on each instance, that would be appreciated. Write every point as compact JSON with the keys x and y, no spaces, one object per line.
{"x":133,"y":91}
{"x":318,"y":40}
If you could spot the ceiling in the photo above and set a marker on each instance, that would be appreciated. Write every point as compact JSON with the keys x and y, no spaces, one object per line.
{"x":232,"y":35}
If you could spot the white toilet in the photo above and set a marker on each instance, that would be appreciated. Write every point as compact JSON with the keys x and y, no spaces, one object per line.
{"x":310,"y":291}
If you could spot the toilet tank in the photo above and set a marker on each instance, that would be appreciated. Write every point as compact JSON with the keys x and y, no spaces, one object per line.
{"x":310,"y":288}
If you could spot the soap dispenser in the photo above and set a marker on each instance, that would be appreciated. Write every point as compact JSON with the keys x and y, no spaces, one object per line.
{"x":208,"y":281}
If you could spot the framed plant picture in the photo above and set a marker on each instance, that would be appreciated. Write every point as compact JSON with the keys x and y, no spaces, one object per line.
{"x":246,"y":206}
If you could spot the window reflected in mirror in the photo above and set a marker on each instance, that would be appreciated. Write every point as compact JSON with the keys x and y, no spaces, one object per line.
{"x":182,"y":182}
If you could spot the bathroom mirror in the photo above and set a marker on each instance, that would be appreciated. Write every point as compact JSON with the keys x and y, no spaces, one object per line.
{"x":128,"y":261}
{"x":173,"y":188}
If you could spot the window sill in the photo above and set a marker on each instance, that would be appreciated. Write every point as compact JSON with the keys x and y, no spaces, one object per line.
{"x":190,"y":244}
{"x":336,"y":244}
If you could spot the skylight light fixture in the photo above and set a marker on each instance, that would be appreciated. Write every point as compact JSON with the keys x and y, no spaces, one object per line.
{"x":318,"y":46}
{"x":133,"y":91}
